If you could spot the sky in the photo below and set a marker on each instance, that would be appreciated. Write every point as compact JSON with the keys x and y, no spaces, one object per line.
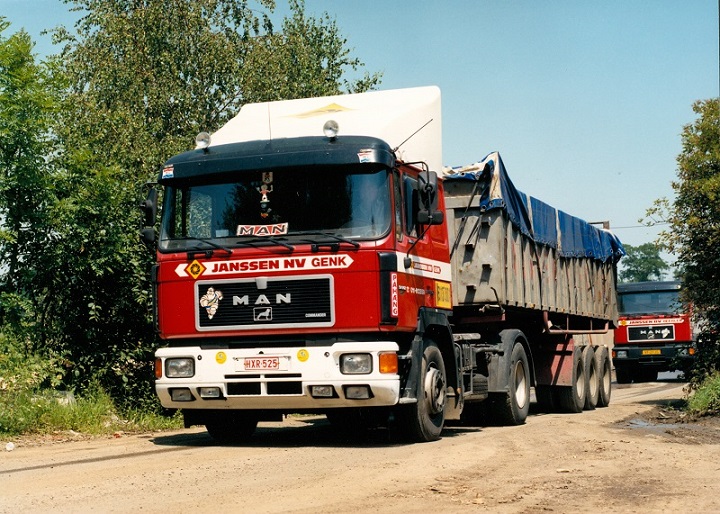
{"x":585,"y":100}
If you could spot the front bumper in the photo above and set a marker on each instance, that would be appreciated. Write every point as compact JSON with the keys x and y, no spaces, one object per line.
{"x":289,"y":387}
{"x":663,"y":357}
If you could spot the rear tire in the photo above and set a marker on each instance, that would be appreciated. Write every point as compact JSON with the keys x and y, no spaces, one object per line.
{"x":423,"y":421}
{"x":572,"y":398}
{"x":602,"y":359}
{"x":512,"y":408}
{"x":592,"y":392}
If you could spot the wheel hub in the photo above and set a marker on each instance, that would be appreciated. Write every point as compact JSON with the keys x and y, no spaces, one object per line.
{"x":435,"y":390}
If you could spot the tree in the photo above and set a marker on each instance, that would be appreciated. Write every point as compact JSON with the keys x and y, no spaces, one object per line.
{"x":29,"y":100}
{"x":694,"y":219}
{"x":142,"y":78}
{"x":642,"y":263}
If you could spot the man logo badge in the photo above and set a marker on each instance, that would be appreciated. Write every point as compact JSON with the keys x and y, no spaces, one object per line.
{"x":262,"y":313}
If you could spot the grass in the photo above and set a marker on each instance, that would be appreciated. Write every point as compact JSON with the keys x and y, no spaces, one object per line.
{"x":30,"y":404}
{"x":705,"y":400}
{"x":47,"y":412}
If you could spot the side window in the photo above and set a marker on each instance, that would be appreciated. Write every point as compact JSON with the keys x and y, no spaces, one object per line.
{"x":398,"y":206}
{"x":411,"y":205}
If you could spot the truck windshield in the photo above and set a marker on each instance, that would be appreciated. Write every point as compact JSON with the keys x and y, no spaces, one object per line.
{"x":274,"y":205}
{"x":648,"y":302}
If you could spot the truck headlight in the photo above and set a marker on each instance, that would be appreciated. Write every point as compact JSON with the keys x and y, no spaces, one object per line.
{"x":356,"y":363}
{"x":180,"y":367}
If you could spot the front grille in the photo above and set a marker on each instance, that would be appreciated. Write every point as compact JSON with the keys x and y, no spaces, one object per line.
{"x":279,"y":303}
{"x":254,"y":389}
{"x":652,"y":333}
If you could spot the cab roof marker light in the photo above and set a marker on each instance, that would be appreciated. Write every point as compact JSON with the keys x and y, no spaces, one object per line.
{"x":331,"y":129}
{"x":202,"y":141}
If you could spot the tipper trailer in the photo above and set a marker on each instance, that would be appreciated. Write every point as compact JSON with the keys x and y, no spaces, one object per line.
{"x":312,"y":257}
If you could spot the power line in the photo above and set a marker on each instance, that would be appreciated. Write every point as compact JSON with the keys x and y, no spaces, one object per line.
{"x":641,"y":226}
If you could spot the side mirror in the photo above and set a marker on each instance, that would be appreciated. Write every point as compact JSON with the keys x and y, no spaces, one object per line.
{"x":149,"y":208}
{"x":428,"y":196}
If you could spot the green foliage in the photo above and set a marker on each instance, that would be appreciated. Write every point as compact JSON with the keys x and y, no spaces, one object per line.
{"x":307,"y":58}
{"x":82,"y":132}
{"x":28,"y":104}
{"x":706,"y":398}
{"x":694,"y":233}
{"x":95,"y":413}
{"x":642,"y":263}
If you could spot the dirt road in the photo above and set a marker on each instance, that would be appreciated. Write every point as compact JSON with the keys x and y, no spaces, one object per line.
{"x":629,"y":457}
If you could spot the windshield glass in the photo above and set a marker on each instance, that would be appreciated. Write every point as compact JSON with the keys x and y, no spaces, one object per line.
{"x":277,"y":205}
{"x":649,"y":302}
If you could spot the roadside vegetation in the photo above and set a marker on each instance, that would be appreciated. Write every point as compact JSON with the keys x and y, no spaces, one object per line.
{"x":705,"y":401}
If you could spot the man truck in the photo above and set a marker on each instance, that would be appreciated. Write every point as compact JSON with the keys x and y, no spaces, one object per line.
{"x":314,"y":257}
{"x":655,"y":332}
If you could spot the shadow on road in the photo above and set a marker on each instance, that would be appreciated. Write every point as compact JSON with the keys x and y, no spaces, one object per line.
{"x":310,"y":431}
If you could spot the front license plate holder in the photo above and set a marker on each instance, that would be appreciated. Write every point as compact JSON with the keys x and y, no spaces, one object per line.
{"x":652,"y":351}
{"x":263,"y":363}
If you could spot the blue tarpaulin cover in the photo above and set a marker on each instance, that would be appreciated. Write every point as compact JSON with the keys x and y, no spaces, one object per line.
{"x":569,"y":235}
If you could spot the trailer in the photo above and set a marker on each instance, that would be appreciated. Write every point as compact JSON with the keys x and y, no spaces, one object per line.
{"x":344,"y":272}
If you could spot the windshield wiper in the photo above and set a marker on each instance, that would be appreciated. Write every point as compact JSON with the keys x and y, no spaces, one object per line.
{"x":254,"y":242}
{"x":316,"y":245}
{"x":208,"y":253}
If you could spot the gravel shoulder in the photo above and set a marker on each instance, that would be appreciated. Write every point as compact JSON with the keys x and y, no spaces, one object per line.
{"x":638,"y":455}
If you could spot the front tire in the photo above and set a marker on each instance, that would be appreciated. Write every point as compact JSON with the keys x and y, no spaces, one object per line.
{"x":423,"y":421}
{"x":623,"y":374}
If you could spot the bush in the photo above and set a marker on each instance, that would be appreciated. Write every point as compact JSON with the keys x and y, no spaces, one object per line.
{"x":706,"y":399}
{"x":29,"y":404}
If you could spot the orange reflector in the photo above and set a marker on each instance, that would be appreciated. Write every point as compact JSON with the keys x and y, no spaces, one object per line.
{"x":691,"y":351}
{"x":158,"y":368}
{"x":613,"y":354}
{"x":388,"y":362}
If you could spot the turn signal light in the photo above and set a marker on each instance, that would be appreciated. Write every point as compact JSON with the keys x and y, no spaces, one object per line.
{"x":388,"y":362}
{"x":158,"y":368}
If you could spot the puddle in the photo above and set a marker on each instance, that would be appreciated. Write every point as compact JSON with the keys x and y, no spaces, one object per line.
{"x":646,"y":425}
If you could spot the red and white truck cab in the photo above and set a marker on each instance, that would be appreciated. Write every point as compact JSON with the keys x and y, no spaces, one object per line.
{"x":655,"y":332}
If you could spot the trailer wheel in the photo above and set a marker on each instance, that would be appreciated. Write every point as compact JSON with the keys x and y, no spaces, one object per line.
{"x":572,"y":398}
{"x":592,"y":376}
{"x":602,"y":359}
{"x":423,"y":421}
{"x":512,"y":408}
{"x":231,"y":428}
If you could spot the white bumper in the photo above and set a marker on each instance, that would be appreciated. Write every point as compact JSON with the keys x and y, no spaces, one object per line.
{"x":287,"y":387}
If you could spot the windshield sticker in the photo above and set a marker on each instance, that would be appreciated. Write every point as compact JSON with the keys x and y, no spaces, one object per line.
{"x":211,"y":301}
{"x":277,"y":229}
{"x":265,"y":188}
{"x":168,"y":171}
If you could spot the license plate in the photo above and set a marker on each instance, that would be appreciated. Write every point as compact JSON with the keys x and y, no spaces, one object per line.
{"x":652,"y":352}
{"x":264,"y":364}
